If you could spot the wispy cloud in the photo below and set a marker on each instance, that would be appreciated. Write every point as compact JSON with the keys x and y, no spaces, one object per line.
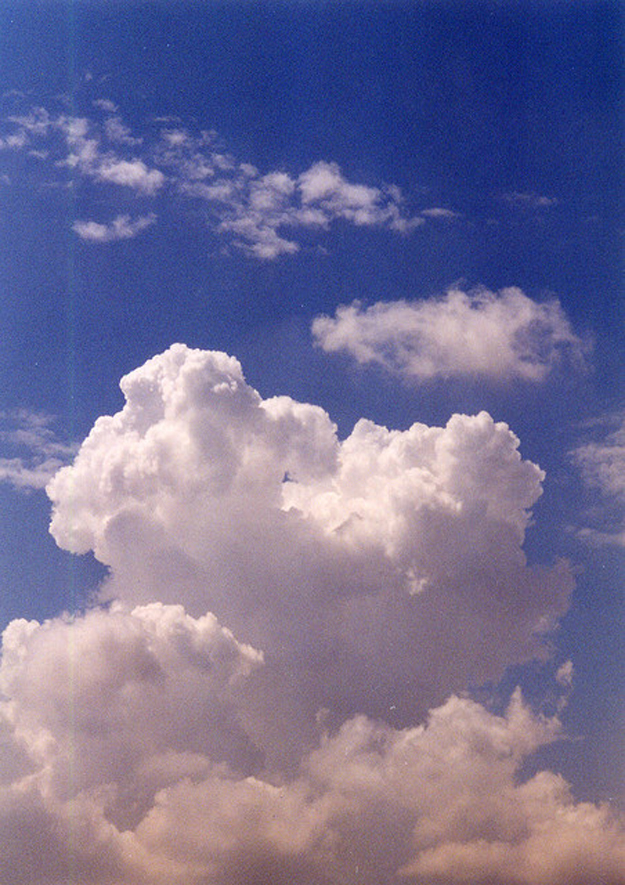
{"x":32,"y":453}
{"x":441,"y":213}
{"x":501,"y":336}
{"x":121,"y":228}
{"x":530,"y":200}
{"x":258,"y":213}
{"x":601,"y":461}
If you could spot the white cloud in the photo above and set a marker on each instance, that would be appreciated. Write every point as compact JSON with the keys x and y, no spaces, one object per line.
{"x":257,"y":213}
{"x":129,"y":766}
{"x":382,"y":549}
{"x":601,"y":462}
{"x":118,"y":132}
{"x":438,"y":212}
{"x":15,"y":141}
{"x":121,"y":228}
{"x":501,"y":336}
{"x":130,"y":173}
{"x":352,"y":583}
{"x":78,"y":145}
{"x":106,"y":105}
{"x":33,"y":452}
{"x":323,"y":186}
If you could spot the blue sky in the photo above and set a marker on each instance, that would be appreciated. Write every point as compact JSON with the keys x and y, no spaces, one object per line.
{"x":398,"y":212}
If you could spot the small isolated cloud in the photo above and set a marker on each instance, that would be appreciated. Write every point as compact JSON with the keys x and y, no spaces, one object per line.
{"x":129,"y":173}
{"x":438,"y":212}
{"x":529,"y":200}
{"x":121,"y":228}
{"x":500,"y":336}
{"x":13,"y":142}
{"x":32,"y":454}
{"x":106,"y":105}
{"x":601,"y":462}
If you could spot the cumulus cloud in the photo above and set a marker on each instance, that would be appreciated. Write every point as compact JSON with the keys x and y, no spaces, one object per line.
{"x":268,"y":688}
{"x":121,"y":228}
{"x":119,"y":722}
{"x":32,"y":453}
{"x":332,"y":556}
{"x":262,"y":214}
{"x":501,"y":336}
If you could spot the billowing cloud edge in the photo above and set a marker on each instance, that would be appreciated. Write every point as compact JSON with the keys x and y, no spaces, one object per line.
{"x":153,"y":741}
{"x":136,"y":789}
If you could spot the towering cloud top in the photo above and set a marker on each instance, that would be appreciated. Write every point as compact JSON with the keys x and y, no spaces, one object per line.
{"x":351,"y":585}
{"x":380,"y":547}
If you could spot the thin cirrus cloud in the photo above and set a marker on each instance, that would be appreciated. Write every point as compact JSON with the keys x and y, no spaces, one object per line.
{"x":274,"y":695}
{"x":498,"y":336}
{"x":259,"y":214}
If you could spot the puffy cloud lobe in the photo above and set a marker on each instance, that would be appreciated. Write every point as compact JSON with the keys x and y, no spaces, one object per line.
{"x":120,"y":701}
{"x":357,"y":566}
{"x":121,"y":780}
{"x":501,"y":336}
